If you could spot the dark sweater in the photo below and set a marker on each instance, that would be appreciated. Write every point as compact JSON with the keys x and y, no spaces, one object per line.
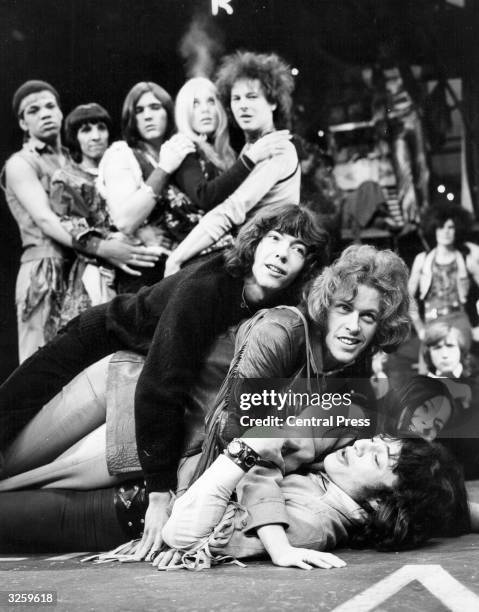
{"x":173,"y":322}
{"x":207,"y":192}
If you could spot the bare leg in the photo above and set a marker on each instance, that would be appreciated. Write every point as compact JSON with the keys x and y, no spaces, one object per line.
{"x":73,"y":413}
{"x":83,"y":466}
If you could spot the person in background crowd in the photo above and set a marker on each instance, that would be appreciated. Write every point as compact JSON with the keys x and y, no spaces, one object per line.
{"x":439,"y":279}
{"x":319,"y":191}
{"x":445,"y":351}
{"x":447,"y":357}
{"x":258,"y":88}
{"x":127,"y":179}
{"x":398,"y":103}
{"x":46,"y":243}
{"x":422,"y":405}
{"x":82,"y":211}
{"x":134,"y":173}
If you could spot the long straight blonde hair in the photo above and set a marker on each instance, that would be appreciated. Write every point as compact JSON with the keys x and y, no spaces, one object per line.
{"x":219,"y":152}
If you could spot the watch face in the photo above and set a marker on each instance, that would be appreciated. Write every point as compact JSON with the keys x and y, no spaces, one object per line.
{"x":235,"y":448}
{"x":249,"y":461}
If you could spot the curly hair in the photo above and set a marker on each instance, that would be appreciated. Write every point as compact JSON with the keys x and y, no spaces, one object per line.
{"x":437,"y":215}
{"x":404,"y":517}
{"x":288,"y":219}
{"x":129,"y":127}
{"x":270,"y":70}
{"x":220,"y":154}
{"x":437,"y":332}
{"x":84,"y":113}
{"x":382,"y":270}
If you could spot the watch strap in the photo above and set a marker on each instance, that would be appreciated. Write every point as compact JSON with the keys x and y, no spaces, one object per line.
{"x":247,"y":457}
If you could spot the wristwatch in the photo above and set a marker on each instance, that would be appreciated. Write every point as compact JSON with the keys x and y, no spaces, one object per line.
{"x":241,"y":454}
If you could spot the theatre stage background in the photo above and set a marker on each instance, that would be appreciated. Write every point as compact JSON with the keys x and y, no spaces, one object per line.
{"x":96,"y":49}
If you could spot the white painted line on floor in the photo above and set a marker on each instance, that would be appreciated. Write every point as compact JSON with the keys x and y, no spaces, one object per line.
{"x":67,"y":556}
{"x":440,"y":583}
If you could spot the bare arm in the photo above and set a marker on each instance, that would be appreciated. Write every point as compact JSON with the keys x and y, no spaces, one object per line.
{"x":472,"y":261}
{"x":276,"y":543}
{"x":155,"y":519}
{"x":73,"y":210}
{"x":203,"y":506}
{"x":269,"y":513}
{"x":26,"y":186}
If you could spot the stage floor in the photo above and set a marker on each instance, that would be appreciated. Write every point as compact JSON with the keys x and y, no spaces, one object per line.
{"x":441,"y":576}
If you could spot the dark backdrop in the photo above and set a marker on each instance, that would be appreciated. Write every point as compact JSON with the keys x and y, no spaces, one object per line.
{"x":96,"y":49}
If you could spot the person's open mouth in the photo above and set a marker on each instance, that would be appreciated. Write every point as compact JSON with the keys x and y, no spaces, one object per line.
{"x":275,"y":270}
{"x":348,"y":341}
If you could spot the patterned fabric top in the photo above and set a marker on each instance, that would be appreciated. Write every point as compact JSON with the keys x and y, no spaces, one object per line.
{"x":443,"y":292}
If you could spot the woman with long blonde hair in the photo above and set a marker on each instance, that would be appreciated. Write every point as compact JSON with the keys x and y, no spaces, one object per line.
{"x":194,"y":117}
{"x":155,"y":183}
{"x":257,"y":88}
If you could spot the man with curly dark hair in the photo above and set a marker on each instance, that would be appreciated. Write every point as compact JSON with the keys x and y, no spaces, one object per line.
{"x":273,"y":75}
{"x":257,"y":89}
{"x":378,"y":493}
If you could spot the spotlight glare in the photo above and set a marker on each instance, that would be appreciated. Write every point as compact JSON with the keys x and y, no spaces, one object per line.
{"x":441,"y":188}
{"x":450,"y":197}
{"x":320,"y":133}
{"x":294,"y":71}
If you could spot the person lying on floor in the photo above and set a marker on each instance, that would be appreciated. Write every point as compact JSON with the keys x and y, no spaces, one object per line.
{"x":381,"y":493}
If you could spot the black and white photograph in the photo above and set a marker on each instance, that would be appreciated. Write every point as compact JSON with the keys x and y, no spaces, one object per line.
{"x":239,"y":305}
